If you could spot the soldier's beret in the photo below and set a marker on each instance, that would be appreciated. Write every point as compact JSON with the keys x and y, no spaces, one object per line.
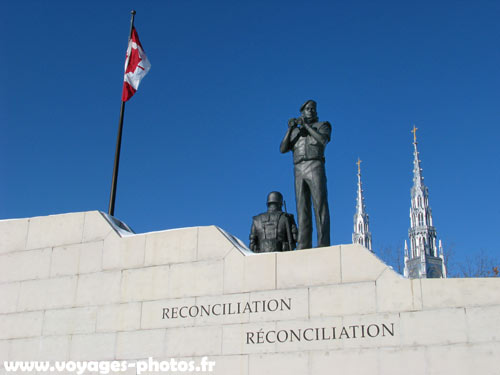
{"x":309,"y":101}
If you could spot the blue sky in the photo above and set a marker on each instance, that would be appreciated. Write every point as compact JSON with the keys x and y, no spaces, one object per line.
{"x":201,"y":136}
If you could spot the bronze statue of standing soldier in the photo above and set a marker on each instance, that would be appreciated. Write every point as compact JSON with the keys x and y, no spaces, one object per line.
{"x":273,"y":230}
{"x":307,"y":138}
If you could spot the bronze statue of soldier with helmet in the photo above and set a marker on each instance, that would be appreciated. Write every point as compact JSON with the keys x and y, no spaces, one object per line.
{"x":273,"y":230}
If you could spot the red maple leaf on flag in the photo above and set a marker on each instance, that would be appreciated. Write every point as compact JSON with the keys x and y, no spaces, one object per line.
{"x":136,"y":58}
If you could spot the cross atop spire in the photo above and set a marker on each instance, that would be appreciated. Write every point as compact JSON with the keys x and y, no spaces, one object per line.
{"x":359,"y":165}
{"x":414,"y":131}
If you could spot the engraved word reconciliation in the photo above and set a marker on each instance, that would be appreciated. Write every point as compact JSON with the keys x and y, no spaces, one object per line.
{"x":228,"y":308}
{"x":320,"y":334}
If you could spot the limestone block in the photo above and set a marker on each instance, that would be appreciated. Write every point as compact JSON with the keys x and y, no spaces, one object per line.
{"x":228,"y":304}
{"x":98,"y":288}
{"x":308,"y":267}
{"x":25,"y":265}
{"x":65,"y":260}
{"x":4,"y":351}
{"x":280,"y":305}
{"x":360,"y":264}
{"x":47,"y":293}
{"x":95,"y":227}
{"x":416,"y":288}
{"x":313,"y":334}
{"x":395,"y":293}
{"x":55,"y":230}
{"x":193,"y":341}
{"x":408,"y":361}
{"x":433,"y":327}
{"x":451,"y":292}
{"x":483,"y":323}
{"x":140,"y":344}
{"x":145,"y":283}
{"x":25,"y":349}
{"x":249,"y":273}
{"x":52,"y":348}
{"x":342,"y":299}
{"x":9,"y":294}
{"x":93,"y":347}
{"x":70,"y":321}
{"x":483,"y":358}
{"x":13,"y":235}
{"x":212,"y":244}
{"x":438,"y":293}
{"x":171,"y":246}
{"x":237,"y":338}
{"x":120,"y":317}
{"x":196,"y":279}
{"x":280,"y":363}
{"x":447,"y":360}
{"x":121,"y":253}
{"x":152,"y":315}
{"x":20,"y":325}
{"x":345,"y":362}
{"x":463,"y":359}
{"x":90,"y":257}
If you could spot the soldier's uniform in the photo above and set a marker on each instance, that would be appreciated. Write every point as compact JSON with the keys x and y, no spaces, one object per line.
{"x":310,"y":184}
{"x":310,"y":181}
{"x":269,"y":230}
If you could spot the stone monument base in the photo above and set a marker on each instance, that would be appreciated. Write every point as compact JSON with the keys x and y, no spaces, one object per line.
{"x":80,"y":287}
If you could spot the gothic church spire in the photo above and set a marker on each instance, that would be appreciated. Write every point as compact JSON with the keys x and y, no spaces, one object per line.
{"x":361,"y":232}
{"x":423,"y":259}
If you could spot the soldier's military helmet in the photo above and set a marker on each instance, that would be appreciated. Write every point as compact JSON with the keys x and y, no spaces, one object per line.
{"x":275,"y":197}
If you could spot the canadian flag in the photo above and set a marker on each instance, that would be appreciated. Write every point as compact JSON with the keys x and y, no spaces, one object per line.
{"x":136,"y":66}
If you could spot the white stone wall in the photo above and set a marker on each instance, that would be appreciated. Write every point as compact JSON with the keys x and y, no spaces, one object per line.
{"x":71,"y":288}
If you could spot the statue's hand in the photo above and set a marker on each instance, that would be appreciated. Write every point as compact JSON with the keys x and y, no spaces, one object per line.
{"x":292,"y":123}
